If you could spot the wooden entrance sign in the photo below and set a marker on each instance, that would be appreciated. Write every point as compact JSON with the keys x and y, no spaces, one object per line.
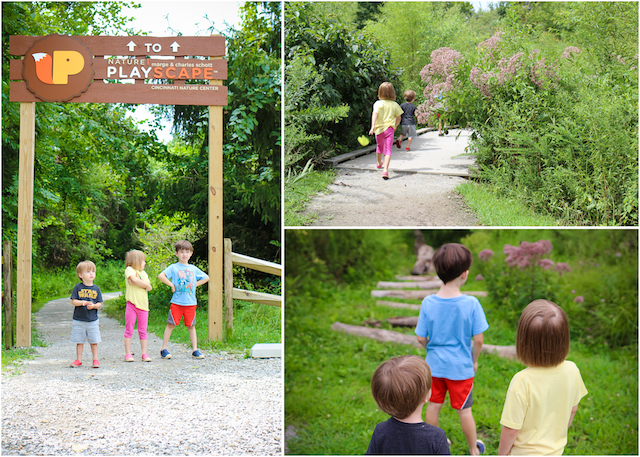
{"x":102,"y":69}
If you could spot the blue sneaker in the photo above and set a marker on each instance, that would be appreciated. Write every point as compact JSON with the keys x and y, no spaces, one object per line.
{"x":197,"y":354}
{"x":165,"y":354}
{"x":481,"y":447}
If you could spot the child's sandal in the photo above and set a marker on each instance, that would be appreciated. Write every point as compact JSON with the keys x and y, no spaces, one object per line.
{"x":128,"y":358}
{"x":146,"y":358}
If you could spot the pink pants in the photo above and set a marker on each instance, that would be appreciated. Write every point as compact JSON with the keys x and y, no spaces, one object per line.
{"x":385,"y":141}
{"x":130,"y":315}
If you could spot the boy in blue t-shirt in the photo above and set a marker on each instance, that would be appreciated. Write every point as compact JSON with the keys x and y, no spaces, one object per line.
{"x":183,"y":279}
{"x":447,"y":324}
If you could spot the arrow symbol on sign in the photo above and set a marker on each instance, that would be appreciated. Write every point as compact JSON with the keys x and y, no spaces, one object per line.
{"x":131,"y":45}
{"x":175,"y":46}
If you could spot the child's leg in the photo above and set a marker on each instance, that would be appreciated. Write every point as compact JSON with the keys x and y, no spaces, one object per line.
{"x":129,"y":324}
{"x":409,"y":142}
{"x":193,"y":337}
{"x":94,"y":350}
{"x":469,"y":429}
{"x":379,"y":160}
{"x":79,"y":348}
{"x":433,"y":413}
{"x":387,"y":145}
{"x":167,"y":335}
{"x":143,"y":320}
{"x":379,"y":150}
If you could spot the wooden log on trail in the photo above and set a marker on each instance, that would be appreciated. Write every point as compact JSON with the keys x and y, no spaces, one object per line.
{"x":393,"y":304}
{"x":417,"y":278}
{"x":403,"y":321}
{"x":417,"y":294}
{"x":408,"y":285}
{"x":388,"y":336}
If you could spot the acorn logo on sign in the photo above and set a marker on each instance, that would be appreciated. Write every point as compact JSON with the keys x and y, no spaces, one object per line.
{"x":58,"y":68}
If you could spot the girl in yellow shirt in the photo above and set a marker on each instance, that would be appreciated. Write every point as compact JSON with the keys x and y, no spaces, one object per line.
{"x":137,"y":288}
{"x":384,"y":121}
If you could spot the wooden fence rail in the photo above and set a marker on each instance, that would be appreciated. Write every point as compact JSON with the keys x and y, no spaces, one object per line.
{"x":231,"y":293}
{"x":7,"y":295}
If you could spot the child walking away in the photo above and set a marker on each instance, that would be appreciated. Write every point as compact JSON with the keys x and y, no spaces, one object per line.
{"x":137,"y":288}
{"x":447,"y":324}
{"x":87,"y":299}
{"x":183,"y":279}
{"x":407,"y":121}
{"x":401,"y":386}
{"x":384,"y":120}
{"x":543,"y":398}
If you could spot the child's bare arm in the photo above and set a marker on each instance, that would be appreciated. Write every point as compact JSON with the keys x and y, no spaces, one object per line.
{"x":573,"y":413}
{"x":79,"y":302}
{"x":94,"y":305}
{"x":507,"y":438}
{"x":163,"y":277}
{"x":478,"y":341}
{"x":423,"y":340}
{"x":202,"y":281}
{"x":398,"y":118}
{"x":134,"y":280}
{"x":374,"y":119}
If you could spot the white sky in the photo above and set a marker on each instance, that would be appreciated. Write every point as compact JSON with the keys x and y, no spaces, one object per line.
{"x":163,"y":18}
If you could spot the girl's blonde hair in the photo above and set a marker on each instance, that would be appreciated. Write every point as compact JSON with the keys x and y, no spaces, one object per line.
{"x":134,"y":259}
{"x":386,"y":91}
{"x":542,"y":339}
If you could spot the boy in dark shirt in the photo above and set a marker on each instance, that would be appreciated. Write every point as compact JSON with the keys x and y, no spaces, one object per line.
{"x":407,"y":121}
{"x":87,"y":299}
{"x":401,"y":387}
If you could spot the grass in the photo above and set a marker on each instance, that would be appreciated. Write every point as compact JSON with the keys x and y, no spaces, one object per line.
{"x":298,"y":194}
{"x":496,"y":211}
{"x":328,"y":373}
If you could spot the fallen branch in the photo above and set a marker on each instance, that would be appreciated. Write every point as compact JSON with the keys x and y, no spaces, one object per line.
{"x":416,"y":294}
{"x":416,"y":278}
{"x":408,"y":285}
{"x":388,"y":336}
{"x":403,"y":321}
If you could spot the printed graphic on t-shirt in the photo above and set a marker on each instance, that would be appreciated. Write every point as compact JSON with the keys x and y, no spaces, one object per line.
{"x":88,"y":294}
{"x":186,"y":281}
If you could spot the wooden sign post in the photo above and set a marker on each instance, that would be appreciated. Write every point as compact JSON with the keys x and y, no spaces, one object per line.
{"x":91,"y":69}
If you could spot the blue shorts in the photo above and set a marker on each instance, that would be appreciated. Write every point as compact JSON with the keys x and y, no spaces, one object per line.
{"x":81,"y":331}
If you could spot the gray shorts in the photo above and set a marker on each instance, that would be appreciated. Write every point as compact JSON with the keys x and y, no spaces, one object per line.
{"x":409,"y":131}
{"x":81,"y":331}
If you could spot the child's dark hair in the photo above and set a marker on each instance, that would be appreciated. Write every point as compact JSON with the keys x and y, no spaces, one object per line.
{"x":183,"y":244}
{"x":451,"y":260}
{"x":400,"y":384}
{"x":409,"y":95}
{"x":542,"y":339}
{"x":386,"y":91}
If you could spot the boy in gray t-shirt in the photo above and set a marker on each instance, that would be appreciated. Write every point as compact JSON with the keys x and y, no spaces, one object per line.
{"x":407,"y":121}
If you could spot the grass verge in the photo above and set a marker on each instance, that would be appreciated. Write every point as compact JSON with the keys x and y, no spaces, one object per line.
{"x":298,"y":194}
{"x":496,"y":211}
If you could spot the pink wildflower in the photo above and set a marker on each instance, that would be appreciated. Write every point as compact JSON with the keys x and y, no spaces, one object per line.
{"x":562,"y":267}
{"x":545,"y":263}
{"x":526,"y":253}
{"x":479,"y":278}
{"x":578,"y":299}
{"x":570,"y":50}
{"x":485,"y":254}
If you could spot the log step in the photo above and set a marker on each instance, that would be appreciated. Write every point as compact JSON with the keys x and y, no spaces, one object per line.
{"x":393,"y":304}
{"x":417,"y":294}
{"x":408,"y":285}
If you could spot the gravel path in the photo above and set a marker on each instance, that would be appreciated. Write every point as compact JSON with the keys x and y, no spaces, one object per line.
{"x":363,"y":198}
{"x":223,"y":404}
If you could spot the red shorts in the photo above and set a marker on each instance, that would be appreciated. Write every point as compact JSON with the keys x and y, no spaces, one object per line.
{"x":177,"y":311}
{"x":460,"y":392}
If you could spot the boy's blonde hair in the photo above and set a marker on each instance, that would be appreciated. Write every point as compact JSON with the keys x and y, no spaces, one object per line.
{"x":451,"y":260}
{"x":134,"y":259}
{"x":386,"y":91}
{"x":183,"y":244}
{"x":409,"y":95}
{"x":400,"y":384}
{"x":85,"y":265}
{"x":542,"y":339}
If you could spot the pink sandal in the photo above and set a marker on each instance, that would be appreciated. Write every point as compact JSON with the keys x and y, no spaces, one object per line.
{"x":378,"y":165}
{"x":385,"y":175}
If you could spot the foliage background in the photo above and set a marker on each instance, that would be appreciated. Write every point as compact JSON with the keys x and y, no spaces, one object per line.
{"x":330,"y":274}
